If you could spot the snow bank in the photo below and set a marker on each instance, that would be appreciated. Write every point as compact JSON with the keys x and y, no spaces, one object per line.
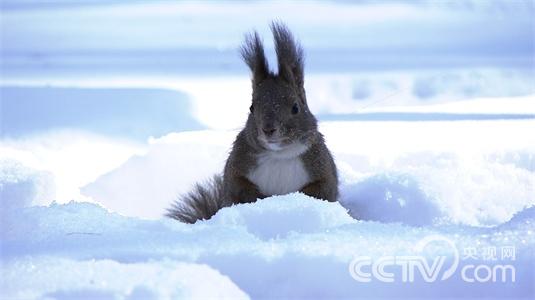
{"x":120,"y":112}
{"x":21,"y":186}
{"x":289,"y":214}
{"x":302,"y":246}
{"x":71,"y":158}
{"x":515,"y":105}
{"x":390,"y":198}
{"x":475,"y":173}
{"x":283,"y":246}
{"x":470,"y":183}
{"x":172,"y":164}
{"x":426,"y":188}
{"x":56,"y":278}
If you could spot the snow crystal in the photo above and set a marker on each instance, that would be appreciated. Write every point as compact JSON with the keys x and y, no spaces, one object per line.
{"x":289,"y":214}
{"x":21,"y":186}
{"x":390,"y":198}
{"x":301,"y":246}
{"x":49,"y":277}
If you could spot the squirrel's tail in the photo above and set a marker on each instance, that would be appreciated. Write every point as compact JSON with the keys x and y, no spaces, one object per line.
{"x":201,"y":203}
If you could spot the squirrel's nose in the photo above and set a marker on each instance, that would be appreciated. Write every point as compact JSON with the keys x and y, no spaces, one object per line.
{"x":269,"y":131}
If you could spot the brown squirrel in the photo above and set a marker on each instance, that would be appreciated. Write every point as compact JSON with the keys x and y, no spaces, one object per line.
{"x":280,"y":150}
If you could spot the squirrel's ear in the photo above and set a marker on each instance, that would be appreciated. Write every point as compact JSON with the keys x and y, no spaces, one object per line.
{"x":290,"y":55}
{"x":252,"y":52}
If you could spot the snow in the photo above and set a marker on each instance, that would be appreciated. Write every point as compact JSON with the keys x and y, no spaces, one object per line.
{"x":300,"y":245}
{"x":163,"y":173}
{"x":390,"y":198}
{"x":425,"y":185}
{"x":24,"y":185}
{"x":110,"y":110}
{"x":108,"y":279}
{"x":438,"y":167}
{"x":290,"y":214}
{"x":115,"y":112}
{"x":451,"y":31}
{"x":73,"y":158}
{"x":517,"y":105}
{"x":403,"y":180}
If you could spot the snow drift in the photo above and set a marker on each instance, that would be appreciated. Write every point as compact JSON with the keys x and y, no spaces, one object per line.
{"x":470,"y":182}
{"x":301,"y":245}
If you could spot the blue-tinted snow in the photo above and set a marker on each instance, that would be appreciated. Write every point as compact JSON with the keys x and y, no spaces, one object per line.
{"x":412,"y":184}
{"x":300,"y":245}
{"x":80,"y":79}
{"x":185,"y":38}
{"x":127,"y":113}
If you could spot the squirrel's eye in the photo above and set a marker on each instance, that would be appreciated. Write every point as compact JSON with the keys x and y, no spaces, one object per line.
{"x":251,"y":108}
{"x":295,"y":109}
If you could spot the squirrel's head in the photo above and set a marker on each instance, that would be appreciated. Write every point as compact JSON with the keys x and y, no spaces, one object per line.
{"x":279,"y":114}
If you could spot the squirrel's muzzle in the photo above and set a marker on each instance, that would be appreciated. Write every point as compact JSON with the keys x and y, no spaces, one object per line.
{"x":269,"y":131}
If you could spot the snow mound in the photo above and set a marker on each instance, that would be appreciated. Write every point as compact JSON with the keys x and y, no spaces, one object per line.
{"x":21,"y":186}
{"x":69,"y":158}
{"x":172,"y":165}
{"x":106,"y":279}
{"x":523,"y":218}
{"x":289,"y":214}
{"x":390,"y":198}
{"x":299,"y":245}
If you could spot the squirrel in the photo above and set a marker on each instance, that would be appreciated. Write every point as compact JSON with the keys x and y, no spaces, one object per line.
{"x":280,"y":149}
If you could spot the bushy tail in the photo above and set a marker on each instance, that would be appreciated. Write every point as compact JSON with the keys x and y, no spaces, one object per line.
{"x":201,"y":203}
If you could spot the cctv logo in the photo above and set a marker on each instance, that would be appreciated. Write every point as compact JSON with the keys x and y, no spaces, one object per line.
{"x":407,"y":267}
{"x":364,"y":268}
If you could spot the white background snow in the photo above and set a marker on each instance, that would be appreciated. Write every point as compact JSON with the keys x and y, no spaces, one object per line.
{"x":110,"y":110}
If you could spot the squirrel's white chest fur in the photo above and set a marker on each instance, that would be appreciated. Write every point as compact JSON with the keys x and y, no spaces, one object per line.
{"x":280,"y":172}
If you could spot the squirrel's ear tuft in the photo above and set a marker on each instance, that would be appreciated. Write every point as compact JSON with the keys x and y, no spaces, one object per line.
{"x":252,"y":52}
{"x":290,"y":54}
